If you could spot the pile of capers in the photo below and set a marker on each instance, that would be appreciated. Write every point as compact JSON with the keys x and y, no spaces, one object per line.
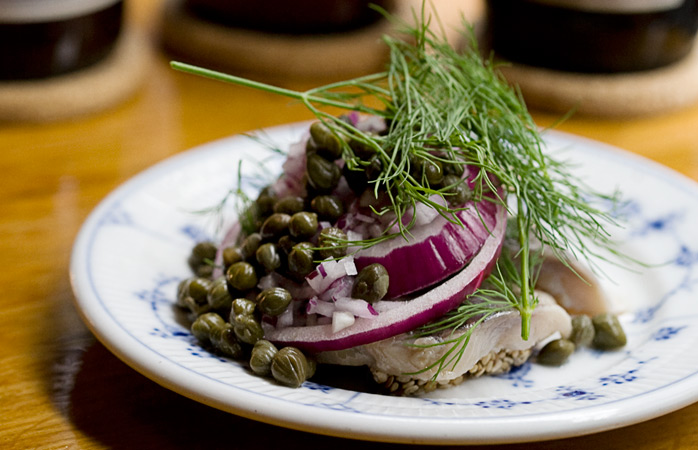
{"x":241,"y":336}
{"x":282,"y":235}
{"x":602,"y":332}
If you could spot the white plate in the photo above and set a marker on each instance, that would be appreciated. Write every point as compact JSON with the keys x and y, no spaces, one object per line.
{"x":132,"y":250}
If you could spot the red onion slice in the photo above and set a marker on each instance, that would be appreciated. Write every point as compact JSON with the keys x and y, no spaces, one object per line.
{"x":400,"y":317}
{"x":291,"y":180}
{"x":433,"y":252}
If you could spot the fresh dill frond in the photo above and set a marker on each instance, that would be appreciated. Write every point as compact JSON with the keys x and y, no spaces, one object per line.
{"x":499,"y":293}
{"x":242,"y":205}
{"x":455,"y":107}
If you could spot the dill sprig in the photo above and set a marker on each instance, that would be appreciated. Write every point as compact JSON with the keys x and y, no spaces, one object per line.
{"x":497,"y":295}
{"x":454,"y":107}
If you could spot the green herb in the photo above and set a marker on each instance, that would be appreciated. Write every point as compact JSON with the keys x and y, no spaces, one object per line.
{"x":454,"y":108}
{"x":242,"y":202}
{"x":497,"y":295}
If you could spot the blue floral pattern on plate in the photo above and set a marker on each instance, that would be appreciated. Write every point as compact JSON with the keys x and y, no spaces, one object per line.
{"x":131,"y":254}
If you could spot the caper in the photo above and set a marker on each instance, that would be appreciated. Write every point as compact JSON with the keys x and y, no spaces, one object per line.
{"x":454,"y":169}
{"x":184,"y":290}
{"x":218,"y":296}
{"x":374,"y":168}
{"x":330,"y":243}
{"x":201,"y":257}
{"x":265,"y":201}
{"x":556,"y":352}
{"x":231,"y":255}
{"x":433,"y":172}
{"x":203,"y":250}
{"x":262,"y":354}
{"x":328,"y":207}
{"x":250,"y":244}
{"x":609,"y":333}
{"x":268,"y":256}
{"x":356,"y":178}
{"x":427,"y":171}
{"x":198,"y":288}
{"x":289,"y":205}
{"x":326,"y":142}
{"x":285,"y":244}
{"x":582,"y":330}
{"x":458,"y":192}
{"x":273,"y":301}
{"x":207,"y":328}
{"x":241,"y":276}
{"x":362,"y":149}
{"x":300,"y":259}
{"x":205,"y":270}
{"x":227,"y":342}
{"x":290,"y":367}
{"x":247,"y":328}
{"x":275,"y":226}
{"x":192,"y":294}
{"x":312,"y":366}
{"x":310,"y":146}
{"x":303,"y":225}
{"x":323,"y":175}
{"x":371,"y":284}
{"x":242,"y":306}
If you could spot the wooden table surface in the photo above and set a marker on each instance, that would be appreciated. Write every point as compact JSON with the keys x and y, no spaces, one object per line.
{"x":60,"y":388}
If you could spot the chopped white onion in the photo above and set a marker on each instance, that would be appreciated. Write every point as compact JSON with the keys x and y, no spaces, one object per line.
{"x":349,"y":266}
{"x":356,"y":306}
{"x":285,"y":319}
{"x":340,"y":287}
{"x":364,"y":218}
{"x":342,"y":320}
{"x":328,"y":271}
{"x":317,"y":306}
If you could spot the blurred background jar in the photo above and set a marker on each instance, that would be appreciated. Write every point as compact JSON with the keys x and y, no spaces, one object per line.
{"x":593,"y":36}
{"x":45,"y":38}
{"x":291,"y":17}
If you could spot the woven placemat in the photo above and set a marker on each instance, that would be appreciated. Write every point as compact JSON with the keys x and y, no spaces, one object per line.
{"x":609,"y":95}
{"x":307,"y":57}
{"x":86,"y":91}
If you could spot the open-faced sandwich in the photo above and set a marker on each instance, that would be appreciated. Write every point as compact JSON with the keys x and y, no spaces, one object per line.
{"x":423,"y":232}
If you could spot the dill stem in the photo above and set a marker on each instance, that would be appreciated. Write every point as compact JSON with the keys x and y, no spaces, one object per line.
{"x":525,"y":308}
{"x":302,"y":96}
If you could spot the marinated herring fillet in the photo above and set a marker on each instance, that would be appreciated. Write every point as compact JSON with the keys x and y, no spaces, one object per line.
{"x":403,"y":354}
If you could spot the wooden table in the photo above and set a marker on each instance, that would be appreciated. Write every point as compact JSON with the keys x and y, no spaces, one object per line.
{"x":63,"y":389}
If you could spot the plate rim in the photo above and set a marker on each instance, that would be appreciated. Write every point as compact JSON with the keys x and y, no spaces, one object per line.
{"x":142,"y":359}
